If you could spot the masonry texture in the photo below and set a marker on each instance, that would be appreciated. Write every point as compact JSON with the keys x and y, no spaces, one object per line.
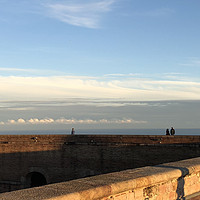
{"x":33,"y":160}
{"x":169,"y":181}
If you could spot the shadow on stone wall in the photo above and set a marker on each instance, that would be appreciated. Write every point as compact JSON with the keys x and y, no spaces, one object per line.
{"x":180,"y":182}
{"x":74,"y":161}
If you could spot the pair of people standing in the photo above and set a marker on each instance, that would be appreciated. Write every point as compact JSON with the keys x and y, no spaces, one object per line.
{"x":172,"y":131}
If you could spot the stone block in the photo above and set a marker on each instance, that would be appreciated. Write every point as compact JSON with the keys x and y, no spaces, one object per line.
{"x":139,"y":193}
{"x":122,"y":196}
{"x":131,"y":195}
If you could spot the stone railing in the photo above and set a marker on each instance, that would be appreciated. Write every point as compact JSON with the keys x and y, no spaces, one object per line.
{"x":167,"y":181}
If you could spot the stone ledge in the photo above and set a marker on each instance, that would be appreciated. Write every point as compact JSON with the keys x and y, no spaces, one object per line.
{"x":104,"y":186}
{"x":195,"y":196}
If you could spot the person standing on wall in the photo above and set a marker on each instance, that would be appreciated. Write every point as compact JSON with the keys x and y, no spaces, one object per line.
{"x":172,"y":131}
{"x":167,"y":131}
{"x":73,"y":131}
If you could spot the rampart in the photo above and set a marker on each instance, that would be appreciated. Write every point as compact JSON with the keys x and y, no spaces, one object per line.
{"x":169,"y":181}
{"x":35,"y":160}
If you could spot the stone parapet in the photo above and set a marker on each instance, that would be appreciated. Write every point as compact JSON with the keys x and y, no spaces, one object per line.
{"x":168,"y":181}
{"x":27,"y":143}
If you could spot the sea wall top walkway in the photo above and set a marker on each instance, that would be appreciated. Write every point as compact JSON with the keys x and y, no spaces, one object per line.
{"x":27,"y":143}
{"x":169,"y":181}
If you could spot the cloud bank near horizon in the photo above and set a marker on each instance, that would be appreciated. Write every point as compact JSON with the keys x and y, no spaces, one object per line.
{"x":129,"y":87}
{"x":97,"y":114}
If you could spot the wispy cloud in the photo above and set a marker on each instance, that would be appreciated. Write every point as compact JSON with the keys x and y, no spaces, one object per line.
{"x":16,"y":69}
{"x":36,"y":121}
{"x":121,"y":75}
{"x":84,"y":14}
{"x":28,"y":72}
{"x":191,"y":62}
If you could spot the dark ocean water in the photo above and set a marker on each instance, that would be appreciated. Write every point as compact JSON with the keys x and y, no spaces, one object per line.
{"x":105,"y":132}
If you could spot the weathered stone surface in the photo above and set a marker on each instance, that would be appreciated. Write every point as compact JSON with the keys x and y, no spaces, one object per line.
{"x":64,"y":157}
{"x":128,"y":184}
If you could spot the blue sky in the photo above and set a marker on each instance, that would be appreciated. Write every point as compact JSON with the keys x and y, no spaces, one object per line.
{"x":130,"y":50}
{"x":100,"y":37}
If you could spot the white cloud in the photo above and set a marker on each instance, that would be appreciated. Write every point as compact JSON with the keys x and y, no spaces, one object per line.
{"x":11,"y":121}
{"x":21,"y":121}
{"x":19,"y":109}
{"x":36,"y":121}
{"x":40,"y":121}
{"x":84,"y":14}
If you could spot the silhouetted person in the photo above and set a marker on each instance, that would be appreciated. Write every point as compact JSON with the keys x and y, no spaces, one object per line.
{"x":172,"y":131}
{"x":167,"y":131}
{"x":73,"y":131}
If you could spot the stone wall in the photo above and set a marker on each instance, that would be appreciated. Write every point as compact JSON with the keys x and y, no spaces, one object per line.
{"x":169,"y":181}
{"x":60,"y":158}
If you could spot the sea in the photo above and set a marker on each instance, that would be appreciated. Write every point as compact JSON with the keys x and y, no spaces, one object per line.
{"x":103,"y":132}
